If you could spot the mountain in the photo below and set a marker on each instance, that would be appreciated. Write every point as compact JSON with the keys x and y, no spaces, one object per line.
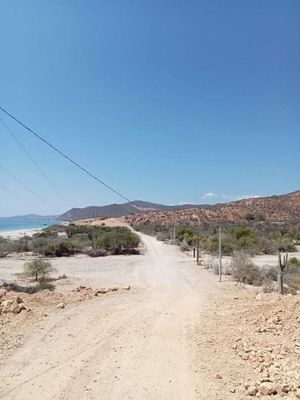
{"x":275,"y":208}
{"x":31,"y":217}
{"x":119,"y":210}
{"x":282,"y":208}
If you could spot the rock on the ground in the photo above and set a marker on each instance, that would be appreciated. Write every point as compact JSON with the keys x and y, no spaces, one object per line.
{"x":252,"y":390}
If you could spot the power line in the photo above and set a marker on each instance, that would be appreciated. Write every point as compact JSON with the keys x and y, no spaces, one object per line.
{"x":15,"y":195}
{"x":26,"y":187}
{"x":67,"y":157}
{"x":31,"y":159}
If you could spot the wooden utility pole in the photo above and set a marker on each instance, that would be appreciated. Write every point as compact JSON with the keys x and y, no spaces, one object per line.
{"x":198,"y":245}
{"x":220,"y":254}
{"x":174,"y":233}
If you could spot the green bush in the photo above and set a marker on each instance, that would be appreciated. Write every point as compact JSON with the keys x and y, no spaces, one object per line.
{"x":60,"y":249}
{"x":38,"y":269}
{"x":294,"y":261}
{"x":118,"y":242}
{"x":187,"y":235}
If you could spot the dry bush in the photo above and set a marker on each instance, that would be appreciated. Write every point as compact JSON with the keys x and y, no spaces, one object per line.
{"x":292,"y":278}
{"x":211,"y":263}
{"x":243,"y":270}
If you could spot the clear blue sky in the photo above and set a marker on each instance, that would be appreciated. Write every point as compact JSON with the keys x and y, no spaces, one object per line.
{"x":167,"y":101}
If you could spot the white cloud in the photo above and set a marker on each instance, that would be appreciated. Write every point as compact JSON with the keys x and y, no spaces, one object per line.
{"x":209,"y":195}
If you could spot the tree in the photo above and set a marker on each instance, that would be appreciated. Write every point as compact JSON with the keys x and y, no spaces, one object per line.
{"x":38,"y":269}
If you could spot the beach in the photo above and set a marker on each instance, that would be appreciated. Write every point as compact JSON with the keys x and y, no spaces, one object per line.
{"x":20,"y":233}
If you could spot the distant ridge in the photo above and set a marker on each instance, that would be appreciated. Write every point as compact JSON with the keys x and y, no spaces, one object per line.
{"x":119,"y":210}
{"x":31,"y":217}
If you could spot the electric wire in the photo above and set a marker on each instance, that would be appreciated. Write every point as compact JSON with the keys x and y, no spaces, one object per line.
{"x":67,"y":157}
{"x":31,"y":159}
{"x":17,"y":196}
{"x":26,"y":187}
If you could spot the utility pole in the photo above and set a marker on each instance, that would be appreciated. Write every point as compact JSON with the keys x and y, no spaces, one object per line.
{"x":198,"y":245}
{"x":174,"y":233}
{"x":220,"y":254}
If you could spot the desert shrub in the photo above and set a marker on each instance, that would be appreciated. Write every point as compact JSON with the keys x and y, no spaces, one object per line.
{"x":286,"y":245}
{"x":184,"y":246}
{"x":5,"y":247}
{"x":162,"y":236}
{"x":58,"y":249}
{"x":292,"y":277}
{"x":294,"y":261}
{"x":22,"y":245}
{"x":118,"y":242}
{"x":242,"y":232}
{"x":38,"y":269}
{"x":243,"y":270}
{"x":186,"y":234}
{"x":268,"y":246}
{"x":44,"y":284}
{"x":209,"y":244}
{"x":255,"y":216}
{"x":269,"y":273}
{"x":46,"y":234}
{"x":210,"y":263}
{"x":96,"y":252}
{"x":228,"y":246}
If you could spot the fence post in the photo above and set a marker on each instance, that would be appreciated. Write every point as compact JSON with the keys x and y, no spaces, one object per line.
{"x":220,"y":254}
{"x":198,"y":246}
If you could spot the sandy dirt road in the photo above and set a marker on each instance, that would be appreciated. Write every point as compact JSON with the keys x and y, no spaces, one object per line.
{"x":133,"y":345}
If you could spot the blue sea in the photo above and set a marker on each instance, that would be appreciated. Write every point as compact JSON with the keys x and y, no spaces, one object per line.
{"x":23,"y":224}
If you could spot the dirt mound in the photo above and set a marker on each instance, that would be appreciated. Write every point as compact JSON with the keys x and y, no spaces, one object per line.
{"x":253,"y":345}
{"x":270,"y":343}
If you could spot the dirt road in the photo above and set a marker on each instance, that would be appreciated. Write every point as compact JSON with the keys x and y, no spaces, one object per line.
{"x":133,"y":345}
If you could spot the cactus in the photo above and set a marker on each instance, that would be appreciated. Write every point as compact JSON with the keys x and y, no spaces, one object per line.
{"x":282,"y":264}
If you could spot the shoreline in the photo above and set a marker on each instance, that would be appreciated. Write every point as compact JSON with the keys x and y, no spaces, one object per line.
{"x":19,"y":233}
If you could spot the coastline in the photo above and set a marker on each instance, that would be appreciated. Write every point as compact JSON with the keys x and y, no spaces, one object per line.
{"x":17,"y":234}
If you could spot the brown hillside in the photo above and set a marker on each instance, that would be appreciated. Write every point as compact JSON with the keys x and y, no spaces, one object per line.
{"x":274,"y":209}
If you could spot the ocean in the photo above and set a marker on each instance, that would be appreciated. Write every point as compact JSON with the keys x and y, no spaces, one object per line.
{"x":23,"y":224}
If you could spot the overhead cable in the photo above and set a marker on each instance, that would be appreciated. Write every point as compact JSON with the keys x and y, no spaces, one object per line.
{"x":67,"y":157}
{"x":31,"y":159}
{"x":26,"y":187}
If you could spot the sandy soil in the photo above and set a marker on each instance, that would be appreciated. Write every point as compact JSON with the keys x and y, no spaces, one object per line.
{"x":102,"y":221}
{"x":169,"y":337}
{"x":20,"y":233}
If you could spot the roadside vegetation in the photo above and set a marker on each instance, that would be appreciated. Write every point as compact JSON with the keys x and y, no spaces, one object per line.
{"x":241,"y":242}
{"x":64,"y":241}
{"x":252,"y":237}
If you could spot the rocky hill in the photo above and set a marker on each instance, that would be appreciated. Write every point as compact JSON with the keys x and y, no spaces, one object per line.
{"x":274,"y":209}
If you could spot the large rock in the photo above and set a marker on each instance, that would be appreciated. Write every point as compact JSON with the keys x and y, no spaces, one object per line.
{"x":267,"y":389}
{"x":252,"y":390}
